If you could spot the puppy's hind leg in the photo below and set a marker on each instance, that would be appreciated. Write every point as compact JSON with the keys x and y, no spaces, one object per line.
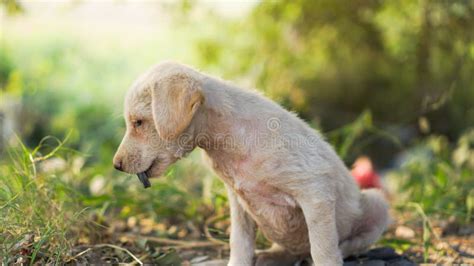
{"x":370,"y":226}
{"x":277,"y":256}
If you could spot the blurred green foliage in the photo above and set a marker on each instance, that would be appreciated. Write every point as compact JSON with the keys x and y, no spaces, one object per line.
{"x":331,"y":60}
{"x":12,"y":6}
{"x":438,"y":176}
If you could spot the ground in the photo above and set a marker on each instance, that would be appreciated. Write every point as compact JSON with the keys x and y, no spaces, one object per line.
{"x":135,"y":240}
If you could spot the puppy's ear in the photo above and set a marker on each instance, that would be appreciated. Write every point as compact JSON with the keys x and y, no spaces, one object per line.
{"x":175,"y":100}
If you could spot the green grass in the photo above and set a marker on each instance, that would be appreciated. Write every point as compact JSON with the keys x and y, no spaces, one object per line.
{"x":439,"y":177}
{"x":35,"y":205}
{"x":44,"y":211}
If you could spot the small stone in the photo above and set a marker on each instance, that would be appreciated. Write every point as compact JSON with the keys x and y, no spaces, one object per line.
{"x":199,"y":259}
{"x":350,"y":263}
{"x":404,"y":232}
{"x":212,"y":263}
{"x":132,"y":222}
{"x":21,"y":261}
{"x":373,"y":263}
{"x":383,"y":253}
{"x":402,"y":262}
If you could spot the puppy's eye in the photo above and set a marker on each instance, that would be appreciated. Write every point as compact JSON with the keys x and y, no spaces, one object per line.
{"x":137,"y":123}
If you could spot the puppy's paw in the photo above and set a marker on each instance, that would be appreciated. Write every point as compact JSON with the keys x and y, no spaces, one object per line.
{"x":269,"y":258}
{"x":337,"y":260}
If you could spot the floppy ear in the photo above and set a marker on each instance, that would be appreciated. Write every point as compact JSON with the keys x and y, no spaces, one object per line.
{"x":175,"y":100}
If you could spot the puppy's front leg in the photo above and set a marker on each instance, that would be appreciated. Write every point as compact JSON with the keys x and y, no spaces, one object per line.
{"x":242,"y":233}
{"x":323,"y":237}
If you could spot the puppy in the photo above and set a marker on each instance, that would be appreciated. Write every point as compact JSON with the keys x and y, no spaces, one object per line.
{"x":280,"y":174}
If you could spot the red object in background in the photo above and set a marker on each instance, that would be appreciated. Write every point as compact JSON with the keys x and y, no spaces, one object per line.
{"x":364,"y":173}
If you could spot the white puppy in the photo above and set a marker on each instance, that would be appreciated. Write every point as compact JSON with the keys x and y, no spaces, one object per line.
{"x":280,"y":174}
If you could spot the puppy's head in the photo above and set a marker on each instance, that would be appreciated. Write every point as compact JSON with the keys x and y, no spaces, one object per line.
{"x":159,"y":109}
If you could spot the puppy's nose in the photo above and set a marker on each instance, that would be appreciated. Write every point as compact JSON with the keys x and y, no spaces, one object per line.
{"x":118,"y":165}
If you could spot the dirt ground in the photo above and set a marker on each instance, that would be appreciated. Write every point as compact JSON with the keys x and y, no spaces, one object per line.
{"x":138,"y":241}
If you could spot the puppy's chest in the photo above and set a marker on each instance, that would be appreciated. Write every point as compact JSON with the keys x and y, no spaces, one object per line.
{"x":248,"y":182}
{"x":258,"y":195}
{"x":276,"y":213}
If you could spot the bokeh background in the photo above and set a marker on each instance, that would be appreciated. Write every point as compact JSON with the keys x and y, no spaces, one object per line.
{"x":391,"y":80}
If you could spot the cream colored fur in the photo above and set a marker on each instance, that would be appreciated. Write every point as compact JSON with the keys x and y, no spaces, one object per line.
{"x":280,"y":174}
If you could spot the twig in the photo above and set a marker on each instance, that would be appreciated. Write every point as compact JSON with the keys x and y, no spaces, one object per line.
{"x":178,"y":244}
{"x":79,"y":254}
{"x":141,"y":258}
{"x":208,"y":234}
{"x":122,"y":249}
{"x":108,"y":246}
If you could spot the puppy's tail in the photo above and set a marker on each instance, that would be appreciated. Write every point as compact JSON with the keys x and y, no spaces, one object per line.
{"x":370,"y":226}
